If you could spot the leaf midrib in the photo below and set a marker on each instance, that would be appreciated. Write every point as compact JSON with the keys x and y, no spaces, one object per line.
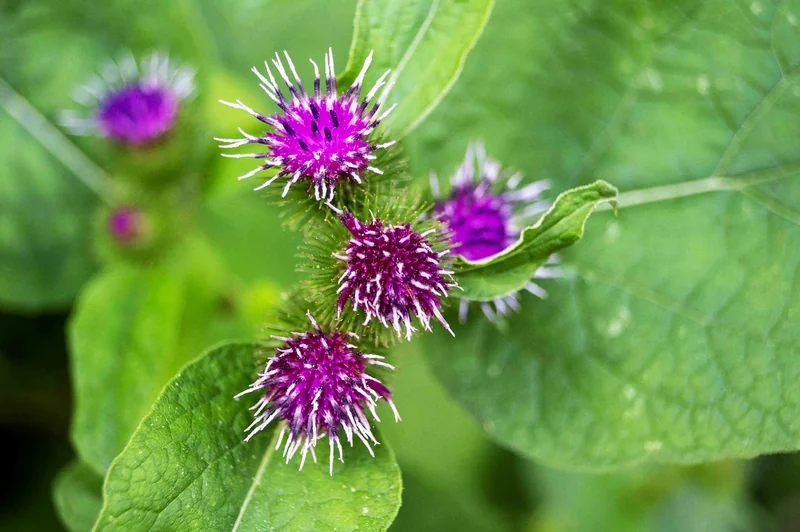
{"x":257,"y":479}
{"x":718,"y":181}
{"x":714,"y":183}
{"x":456,"y":74}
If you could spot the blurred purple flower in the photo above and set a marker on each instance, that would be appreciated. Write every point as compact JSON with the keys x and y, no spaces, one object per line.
{"x":317,"y":382}
{"x":129,"y":103}
{"x":324,"y":138}
{"x":485,"y":212}
{"x":125,"y":224}
{"x":392,"y":273}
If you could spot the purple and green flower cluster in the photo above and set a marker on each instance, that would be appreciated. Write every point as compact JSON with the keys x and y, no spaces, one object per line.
{"x":390,"y":269}
{"x":389,"y":272}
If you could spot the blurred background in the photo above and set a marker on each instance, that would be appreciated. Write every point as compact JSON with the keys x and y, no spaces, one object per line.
{"x":455,"y":477}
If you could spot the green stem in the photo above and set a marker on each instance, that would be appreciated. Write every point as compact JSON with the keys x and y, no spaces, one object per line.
{"x":53,"y":140}
{"x":644,"y":196}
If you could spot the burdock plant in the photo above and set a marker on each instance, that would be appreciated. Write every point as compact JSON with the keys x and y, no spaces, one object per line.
{"x":669,"y":336}
{"x":382,"y":263}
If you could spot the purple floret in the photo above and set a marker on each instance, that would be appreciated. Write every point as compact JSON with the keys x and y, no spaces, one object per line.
{"x":317,"y":383}
{"x":133,"y":104}
{"x":479,"y":222}
{"x":484,"y":213}
{"x":321,"y":137}
{"x":392,"y":273}
{"x":136,"y":114}
{"x":124,"y":224}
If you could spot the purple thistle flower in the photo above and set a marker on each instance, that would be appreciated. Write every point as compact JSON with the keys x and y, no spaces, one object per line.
{"x":392,"y":273}
{"x":129,"y":103}
{"x":317,"y":382}
{"x":323,"y":138}
{"x":484,"y":213}
{"x":125,"y":224}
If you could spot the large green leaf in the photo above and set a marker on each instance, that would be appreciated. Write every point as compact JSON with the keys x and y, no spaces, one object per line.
{"x":561,"y":226}
{"x":425,"y":42}
{"x":248,"y":233}
{"x":705,"y":498}
{"x":673,"y":335}
{"x":133,"y":329}
{"x":187,"y":466}
{"x":77,"y":494}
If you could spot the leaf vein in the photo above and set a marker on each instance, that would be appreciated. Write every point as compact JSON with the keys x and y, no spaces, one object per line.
{"x":256,"y":480}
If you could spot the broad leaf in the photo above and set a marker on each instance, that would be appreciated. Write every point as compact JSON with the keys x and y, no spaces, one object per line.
{"x":77,"y":494}
{"x":673,"y":335}
{"x":133,"y":329}
{"x":425,"y":42}
{"x":705,"y":498}
{"x":187,"y":466}
{"x":560,"y":227}
{"x":247,"y":232}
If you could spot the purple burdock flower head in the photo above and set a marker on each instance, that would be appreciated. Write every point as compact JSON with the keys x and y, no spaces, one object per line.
{"x":129,"y":103}
{"x":125,"y":224}
{"x":392,"y":273}
{"x":317,"y":382}
{"x":485,"y":212}
{"x":323,"y":138}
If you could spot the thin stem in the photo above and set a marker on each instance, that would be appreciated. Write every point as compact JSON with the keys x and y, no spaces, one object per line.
{"x":54,"y":141}
{"x":644,"y":196}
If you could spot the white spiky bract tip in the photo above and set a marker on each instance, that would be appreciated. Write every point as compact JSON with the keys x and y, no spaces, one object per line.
{"x":484,"y":214}
{"x":392,"y":274}
{"x":321,"y":137}
{"x":129,"y":102}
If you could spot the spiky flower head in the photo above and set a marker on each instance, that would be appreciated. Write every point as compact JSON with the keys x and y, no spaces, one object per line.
{"x":485,"y":212}
{"x":392,"y":273}
{"x":129,"y":103}
{"x":317,"y":383}
{"x":325,"y":138}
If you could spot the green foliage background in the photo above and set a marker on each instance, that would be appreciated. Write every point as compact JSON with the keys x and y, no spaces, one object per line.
{"x":670,"y":340}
